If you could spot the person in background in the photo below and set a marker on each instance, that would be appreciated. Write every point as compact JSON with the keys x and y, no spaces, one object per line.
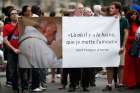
{"x":88,"y":11}
{"x":36,"y":11}
{"x":26,"y":11}
{"x":5,"y":11}
{"x":97,"y":10}
{"x":1,"y":43}
{"x":132,"y":64}
{"x":105,"y":11}
{"x":53,"y":14}
{"x":11,"y":36}
{"x":7,"y":20}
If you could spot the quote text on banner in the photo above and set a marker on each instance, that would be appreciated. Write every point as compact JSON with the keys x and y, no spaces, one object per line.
{"x":90,"y":42}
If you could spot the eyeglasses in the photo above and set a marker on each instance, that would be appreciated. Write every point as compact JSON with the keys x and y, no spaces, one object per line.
{"x":14,"y":13}
{"x":81,"y":8}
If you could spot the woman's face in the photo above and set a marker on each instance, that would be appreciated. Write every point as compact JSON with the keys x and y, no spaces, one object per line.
{"x":88,"y":12}
{"x":133,"y":16}
{"x":28,"y":12}
{"x":14,"y":15}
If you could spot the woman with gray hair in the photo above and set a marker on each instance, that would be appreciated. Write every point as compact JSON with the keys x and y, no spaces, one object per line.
{"x":97,"y":10}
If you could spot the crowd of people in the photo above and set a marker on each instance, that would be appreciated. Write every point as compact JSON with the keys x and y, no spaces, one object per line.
{"x":28,"y":74}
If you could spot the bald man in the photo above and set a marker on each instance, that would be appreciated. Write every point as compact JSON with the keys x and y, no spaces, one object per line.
{"x":35,"y":52}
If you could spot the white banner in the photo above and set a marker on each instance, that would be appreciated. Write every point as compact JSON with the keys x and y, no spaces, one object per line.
{"x":90,"y":42}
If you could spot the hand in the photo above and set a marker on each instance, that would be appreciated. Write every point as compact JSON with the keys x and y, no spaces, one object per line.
{"x":116,"y":16}
{"x":121,"y":51}
{"x":17,"y":51}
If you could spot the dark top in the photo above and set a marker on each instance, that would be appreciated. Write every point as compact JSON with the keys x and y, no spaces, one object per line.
{"x":123,"y":25}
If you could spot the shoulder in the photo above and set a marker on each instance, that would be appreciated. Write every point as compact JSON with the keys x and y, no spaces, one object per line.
{"x":8,"y":26}
{"x":123,"y":19}
{"x":124,"y":22}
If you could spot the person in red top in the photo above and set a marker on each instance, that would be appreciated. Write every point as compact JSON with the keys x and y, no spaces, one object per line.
{"x":11,"y":35}
{"x":132,"y":64}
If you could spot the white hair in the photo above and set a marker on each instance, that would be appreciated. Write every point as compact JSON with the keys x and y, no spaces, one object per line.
{"x":97,"y":7}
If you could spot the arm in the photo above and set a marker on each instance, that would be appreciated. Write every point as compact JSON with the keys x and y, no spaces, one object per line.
{"x":126,"y":31}
{"x":124,"y":41}
{"x":9,"y":45}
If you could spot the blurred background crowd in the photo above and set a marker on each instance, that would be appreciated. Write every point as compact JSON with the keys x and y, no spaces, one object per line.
{"x":61,"y":6}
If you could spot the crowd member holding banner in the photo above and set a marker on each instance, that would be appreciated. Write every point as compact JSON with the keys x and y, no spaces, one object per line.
{"x":132,"y":64}
{"x":80,"y":76}
{"x":32,"y":73}
{"x":37,"y":12}
{"x":64,"y":71}
{"x":88,"y":74}
{"x":75,"y":73}
{"x":106,"y":12}
{"x":35,"y":52}
{"x":91,"y":72}
{"x":11,"y":36}
{"x":115,"y":10}
{"x":41,"y":32}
